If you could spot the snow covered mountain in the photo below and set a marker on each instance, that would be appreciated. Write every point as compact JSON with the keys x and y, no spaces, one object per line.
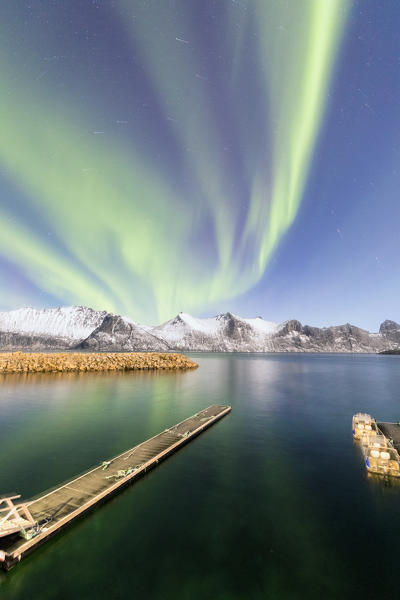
{"x":230,"y":333}
{"x":117,"y":333}
{"x":84,"y":328}
{"x":223,"y":333}
{"x":55,"y":328}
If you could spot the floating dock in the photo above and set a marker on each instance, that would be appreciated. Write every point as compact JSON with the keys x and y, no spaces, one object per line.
{"x":392,"y":432}
{"x":380,"y":444}
{"x":37,"y":520}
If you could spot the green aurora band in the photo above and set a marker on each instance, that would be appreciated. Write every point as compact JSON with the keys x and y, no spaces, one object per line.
{"x":105,"y":226}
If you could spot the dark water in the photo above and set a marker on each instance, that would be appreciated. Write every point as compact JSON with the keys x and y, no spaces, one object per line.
{"x":272,"y":502}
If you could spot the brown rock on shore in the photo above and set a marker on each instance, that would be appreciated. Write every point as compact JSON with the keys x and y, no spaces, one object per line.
{"x":21,"y":362}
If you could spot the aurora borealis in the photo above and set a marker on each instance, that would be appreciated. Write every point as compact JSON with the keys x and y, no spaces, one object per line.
{"x":155,"y":155}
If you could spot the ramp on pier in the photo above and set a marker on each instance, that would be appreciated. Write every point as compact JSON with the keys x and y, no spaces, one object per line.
{"x":391,"y":431}
{"x":54,"y":509}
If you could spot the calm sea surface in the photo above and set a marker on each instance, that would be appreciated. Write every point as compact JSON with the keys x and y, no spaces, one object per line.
{"x":272,"y":502}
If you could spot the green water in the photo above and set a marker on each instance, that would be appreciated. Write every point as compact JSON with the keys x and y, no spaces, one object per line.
{"x":271,"y":503}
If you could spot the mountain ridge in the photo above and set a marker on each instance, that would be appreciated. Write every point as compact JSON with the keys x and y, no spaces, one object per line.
{"x":84,"y":328}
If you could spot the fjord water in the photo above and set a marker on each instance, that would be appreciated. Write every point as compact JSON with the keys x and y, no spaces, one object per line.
{"x":271,"y":502}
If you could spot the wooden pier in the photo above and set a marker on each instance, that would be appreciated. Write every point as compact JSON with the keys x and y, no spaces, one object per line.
{"x":55,"y":509}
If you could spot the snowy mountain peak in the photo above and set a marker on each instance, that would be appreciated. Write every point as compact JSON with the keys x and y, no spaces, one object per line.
{"x":224,"y":332}
{"x":226,"y":316}
{"x":72,"y":322}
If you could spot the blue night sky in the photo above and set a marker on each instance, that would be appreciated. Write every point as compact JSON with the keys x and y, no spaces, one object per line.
{"x":202,"y":156}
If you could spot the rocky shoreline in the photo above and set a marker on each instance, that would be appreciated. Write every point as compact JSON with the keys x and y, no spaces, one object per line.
{"x":67,"y":362}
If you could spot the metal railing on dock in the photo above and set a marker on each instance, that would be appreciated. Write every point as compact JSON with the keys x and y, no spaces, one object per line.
{"x":55,"y":509}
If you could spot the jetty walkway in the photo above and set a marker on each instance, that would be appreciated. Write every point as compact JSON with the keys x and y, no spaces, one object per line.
{"x":37,"y":520}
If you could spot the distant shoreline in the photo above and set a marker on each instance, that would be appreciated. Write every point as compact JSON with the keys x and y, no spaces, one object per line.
{"x":80,"y":362}
{"x":80,"y":328}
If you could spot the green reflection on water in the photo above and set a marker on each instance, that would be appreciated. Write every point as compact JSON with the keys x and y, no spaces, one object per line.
{"x":272,"y":502}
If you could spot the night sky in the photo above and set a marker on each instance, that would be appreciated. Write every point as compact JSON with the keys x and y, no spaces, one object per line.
{"x":202,"y":156}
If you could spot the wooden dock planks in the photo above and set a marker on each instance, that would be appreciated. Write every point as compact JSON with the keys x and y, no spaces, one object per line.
{"x":58,"y":507}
